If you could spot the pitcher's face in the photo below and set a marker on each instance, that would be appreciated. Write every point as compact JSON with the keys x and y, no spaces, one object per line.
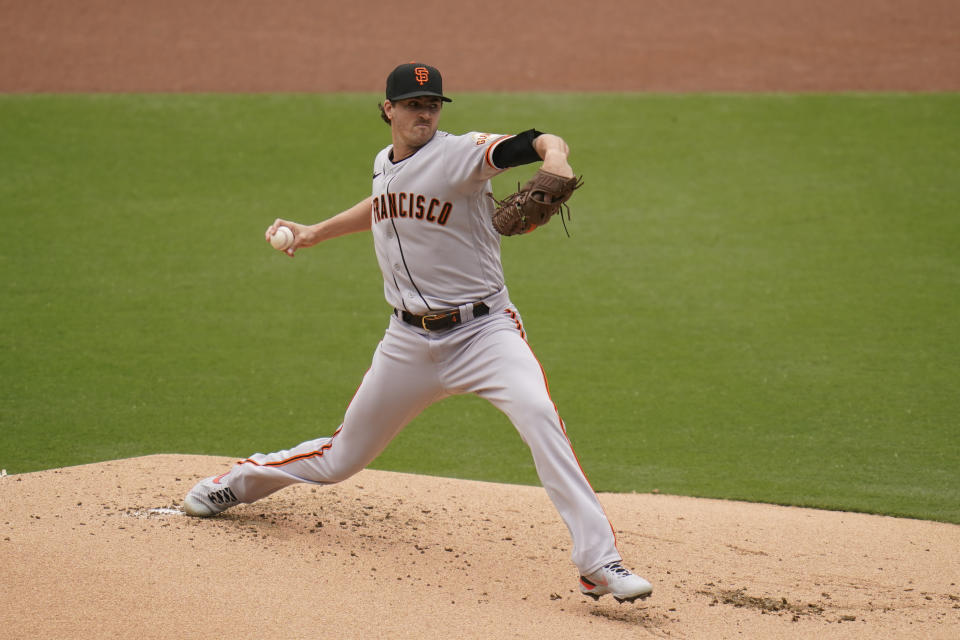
{"x":413,"y":121}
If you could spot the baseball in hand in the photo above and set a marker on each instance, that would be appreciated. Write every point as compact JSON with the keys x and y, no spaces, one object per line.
{"x":281,"y":239}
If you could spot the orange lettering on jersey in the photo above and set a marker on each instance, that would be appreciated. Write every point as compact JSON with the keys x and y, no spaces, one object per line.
{"x":422,"y":75}
{"x":444,"y":214}
{"x":430,"y":217}
{"x":392,"y":199}
{"x":413,"y":206}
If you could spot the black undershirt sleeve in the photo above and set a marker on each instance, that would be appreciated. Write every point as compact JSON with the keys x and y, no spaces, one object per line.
{"x":517,"y":151}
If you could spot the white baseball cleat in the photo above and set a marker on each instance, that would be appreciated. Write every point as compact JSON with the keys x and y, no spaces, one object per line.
{"x":209,"y":497}
{"x":612,"y":578}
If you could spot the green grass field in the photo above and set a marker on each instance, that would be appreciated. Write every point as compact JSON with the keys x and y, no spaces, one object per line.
{"x":760,"y":299}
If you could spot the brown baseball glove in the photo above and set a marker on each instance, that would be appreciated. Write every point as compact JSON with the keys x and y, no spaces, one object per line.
{"x":534,"y":204}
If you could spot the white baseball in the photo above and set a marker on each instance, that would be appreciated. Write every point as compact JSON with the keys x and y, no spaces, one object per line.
{"x":281,"y":239}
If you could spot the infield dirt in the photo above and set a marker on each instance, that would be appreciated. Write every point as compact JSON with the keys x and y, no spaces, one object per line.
{"x":535,"y":45}
{"x":103,"y":551}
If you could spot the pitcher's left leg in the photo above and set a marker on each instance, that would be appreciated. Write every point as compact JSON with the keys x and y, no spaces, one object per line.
{"x":504,"y":370}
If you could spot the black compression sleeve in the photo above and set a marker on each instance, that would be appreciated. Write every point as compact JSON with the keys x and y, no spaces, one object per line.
{"x":517,"y":150}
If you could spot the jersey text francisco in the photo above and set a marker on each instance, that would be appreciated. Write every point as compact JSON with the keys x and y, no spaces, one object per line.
{"x":411,"y":205}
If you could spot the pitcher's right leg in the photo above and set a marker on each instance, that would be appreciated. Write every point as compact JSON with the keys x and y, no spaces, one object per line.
{"x":401,"y":382}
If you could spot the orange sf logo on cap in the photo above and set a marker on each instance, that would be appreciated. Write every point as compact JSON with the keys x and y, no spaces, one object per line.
{"x":422,"y":75}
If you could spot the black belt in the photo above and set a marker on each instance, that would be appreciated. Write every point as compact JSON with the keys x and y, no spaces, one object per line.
{"x":440,"y":321}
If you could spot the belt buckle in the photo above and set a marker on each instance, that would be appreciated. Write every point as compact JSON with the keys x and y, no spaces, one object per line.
{"x":423,"y":320}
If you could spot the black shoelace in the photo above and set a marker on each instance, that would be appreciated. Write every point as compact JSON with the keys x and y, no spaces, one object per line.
{"x":616,"y":568}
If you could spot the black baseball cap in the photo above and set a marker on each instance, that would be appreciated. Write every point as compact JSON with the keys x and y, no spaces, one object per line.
{"x":415,"y":79}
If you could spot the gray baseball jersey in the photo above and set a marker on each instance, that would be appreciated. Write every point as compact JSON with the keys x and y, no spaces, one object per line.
{"x":431,"y":223}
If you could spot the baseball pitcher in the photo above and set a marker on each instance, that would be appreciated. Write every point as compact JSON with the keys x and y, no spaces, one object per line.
{"x":436,"y":232}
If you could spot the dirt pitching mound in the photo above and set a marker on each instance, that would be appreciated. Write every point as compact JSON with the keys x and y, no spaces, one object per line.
{"x":103,"y":550}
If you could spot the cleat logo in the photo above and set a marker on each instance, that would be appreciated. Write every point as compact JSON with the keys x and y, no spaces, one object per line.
{"x":223,"y":496}
{"x":422,"y":75}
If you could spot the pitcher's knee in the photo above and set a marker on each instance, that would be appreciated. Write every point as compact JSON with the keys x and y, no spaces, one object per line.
{"x":344,"y":466}
{"x":537,"y":416}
